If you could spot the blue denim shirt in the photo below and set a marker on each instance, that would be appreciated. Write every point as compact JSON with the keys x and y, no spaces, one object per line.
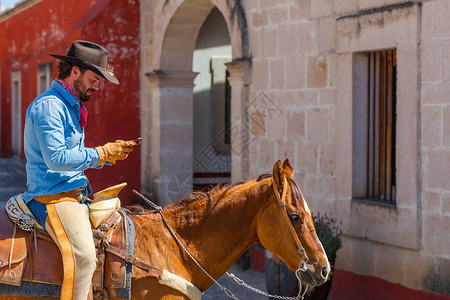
{"x":54,"y":145}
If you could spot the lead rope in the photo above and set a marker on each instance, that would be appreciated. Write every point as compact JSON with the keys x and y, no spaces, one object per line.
{"x":231,"y":275}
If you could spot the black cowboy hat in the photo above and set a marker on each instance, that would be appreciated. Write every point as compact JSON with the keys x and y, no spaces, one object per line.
{"x":90,"y":56}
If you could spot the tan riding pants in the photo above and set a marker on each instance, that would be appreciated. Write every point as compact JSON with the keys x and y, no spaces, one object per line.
{"x":69,"y":226}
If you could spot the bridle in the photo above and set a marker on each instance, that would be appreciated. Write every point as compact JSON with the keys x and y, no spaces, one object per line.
{"x":302,"y":266}
{"x":281,"y":201}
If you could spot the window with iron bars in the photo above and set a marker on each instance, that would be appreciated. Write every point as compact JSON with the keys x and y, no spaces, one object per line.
{"x":374,"y":127}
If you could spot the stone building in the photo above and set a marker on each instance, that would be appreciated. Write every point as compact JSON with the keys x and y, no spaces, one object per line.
{"x":352,"y":91}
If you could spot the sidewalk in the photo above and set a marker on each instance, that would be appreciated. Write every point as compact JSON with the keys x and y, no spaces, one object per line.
{"x":12,"y":177}
{"x":253,"y":278}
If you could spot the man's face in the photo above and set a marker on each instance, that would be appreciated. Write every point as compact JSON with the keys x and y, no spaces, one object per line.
{"x":86,"y":84}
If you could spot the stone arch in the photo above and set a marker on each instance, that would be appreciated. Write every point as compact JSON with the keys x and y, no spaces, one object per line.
{"x":167,"y":94}
{"x":183,"y":18}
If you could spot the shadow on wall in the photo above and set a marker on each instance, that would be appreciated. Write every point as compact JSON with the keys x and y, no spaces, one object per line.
{"x":438,"y":277}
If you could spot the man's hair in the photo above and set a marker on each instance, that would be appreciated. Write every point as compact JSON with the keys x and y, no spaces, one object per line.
{"x":65,"y":68}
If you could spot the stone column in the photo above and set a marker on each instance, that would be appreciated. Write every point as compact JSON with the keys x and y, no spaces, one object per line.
{"x":168,"y":138}
{"x":240,"y":79}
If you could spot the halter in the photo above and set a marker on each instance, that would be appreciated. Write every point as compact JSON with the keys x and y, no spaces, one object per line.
{"x":302,"y":266}
{"x":281,"y":201}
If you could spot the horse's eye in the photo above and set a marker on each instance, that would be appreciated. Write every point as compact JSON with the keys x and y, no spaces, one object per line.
{"x":295,"y":219}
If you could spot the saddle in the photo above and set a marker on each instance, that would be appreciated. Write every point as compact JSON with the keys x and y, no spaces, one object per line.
{"x":28,"y":253}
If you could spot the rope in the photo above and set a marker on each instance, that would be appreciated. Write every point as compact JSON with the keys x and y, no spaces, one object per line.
{"x":159,"y":209}
{"x":231,"y":275}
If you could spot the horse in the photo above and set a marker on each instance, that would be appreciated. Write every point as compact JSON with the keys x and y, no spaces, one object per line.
{"x":219,"y":226}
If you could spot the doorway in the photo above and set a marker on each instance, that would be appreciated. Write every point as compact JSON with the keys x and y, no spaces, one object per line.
{"x":212,"y":151}
{"x":16,"y":113}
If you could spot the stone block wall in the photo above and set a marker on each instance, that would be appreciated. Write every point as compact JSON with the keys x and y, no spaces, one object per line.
{"x":302,"y":60}
{"x":435,"y":143}
{"x":292,"y":45}
{"x":295,"y":100}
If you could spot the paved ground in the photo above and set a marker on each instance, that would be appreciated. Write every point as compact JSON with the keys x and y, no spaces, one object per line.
{"x":12,"y":177}
{"x":13,"y":181}
{"x":254,"y":278}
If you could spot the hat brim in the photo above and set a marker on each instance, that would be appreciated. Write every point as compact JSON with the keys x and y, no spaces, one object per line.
{"x":84,"y":64}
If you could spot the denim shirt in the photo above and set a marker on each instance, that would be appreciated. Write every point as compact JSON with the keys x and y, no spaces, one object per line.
{"x":54,"y":145}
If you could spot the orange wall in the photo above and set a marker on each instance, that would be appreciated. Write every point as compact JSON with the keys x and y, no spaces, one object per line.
{"x":27,"y":37}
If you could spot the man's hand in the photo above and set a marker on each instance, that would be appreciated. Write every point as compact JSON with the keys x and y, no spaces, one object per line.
{"x":119,"y":150}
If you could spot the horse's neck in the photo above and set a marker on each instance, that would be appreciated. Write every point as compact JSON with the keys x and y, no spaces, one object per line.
{"x":221,"y":229}
{"x":216,"y":232}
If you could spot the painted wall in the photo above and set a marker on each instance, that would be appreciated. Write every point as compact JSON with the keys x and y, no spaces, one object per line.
{"x":35,"y":28}
{"x":28,"y":34}
{"x":115,"y":111}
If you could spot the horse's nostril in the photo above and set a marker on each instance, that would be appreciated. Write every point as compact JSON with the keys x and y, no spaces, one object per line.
{"x":325,"y":272}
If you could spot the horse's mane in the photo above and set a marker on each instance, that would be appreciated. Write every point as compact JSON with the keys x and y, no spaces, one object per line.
{"x":221,"y":189}
{"x":201,"y":195}
{"x":216,"y":190}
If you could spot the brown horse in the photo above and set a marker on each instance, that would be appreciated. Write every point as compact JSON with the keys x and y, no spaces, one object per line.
{"x":218,"y":227}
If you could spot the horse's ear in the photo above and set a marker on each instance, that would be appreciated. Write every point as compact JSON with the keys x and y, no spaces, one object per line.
{"x":288,"y":170}
{"x":278,"y":175}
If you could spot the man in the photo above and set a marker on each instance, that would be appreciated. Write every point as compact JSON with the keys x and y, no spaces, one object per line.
{"x":56,"y":158}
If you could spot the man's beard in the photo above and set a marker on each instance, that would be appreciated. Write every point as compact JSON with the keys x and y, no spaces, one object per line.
{"x":81,"y":90}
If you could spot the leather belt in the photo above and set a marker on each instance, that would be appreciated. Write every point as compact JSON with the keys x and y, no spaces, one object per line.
{"x":73,"y":195}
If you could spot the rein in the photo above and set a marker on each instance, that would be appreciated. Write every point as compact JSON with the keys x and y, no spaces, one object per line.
{"x":301,"y":268}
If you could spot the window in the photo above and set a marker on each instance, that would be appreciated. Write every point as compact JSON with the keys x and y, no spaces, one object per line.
{"x":374,"y":127}
{"x":16,"y":112}
{"x":44,"y":77}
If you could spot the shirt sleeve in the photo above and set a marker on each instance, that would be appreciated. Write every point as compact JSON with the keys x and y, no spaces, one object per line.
{"x":51,"y":118}
{"x":107,"y":163}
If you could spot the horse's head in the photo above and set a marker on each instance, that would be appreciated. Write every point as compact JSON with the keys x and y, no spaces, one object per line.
{"x":286,"y":226}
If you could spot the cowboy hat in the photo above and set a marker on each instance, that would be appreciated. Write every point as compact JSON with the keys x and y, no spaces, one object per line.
{"x":90,"y":56}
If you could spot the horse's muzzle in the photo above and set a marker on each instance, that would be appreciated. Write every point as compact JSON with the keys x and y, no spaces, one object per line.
{"x":315,"y":276}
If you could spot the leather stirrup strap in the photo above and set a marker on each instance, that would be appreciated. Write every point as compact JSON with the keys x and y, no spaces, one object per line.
{"x":134,"y":261}
{"x":12,"y":246}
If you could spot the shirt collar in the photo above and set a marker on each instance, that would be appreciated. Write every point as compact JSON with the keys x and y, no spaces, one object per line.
{"x":72,"y":99}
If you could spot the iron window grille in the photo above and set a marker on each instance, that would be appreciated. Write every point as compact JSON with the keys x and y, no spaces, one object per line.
{"x":378,"y":134}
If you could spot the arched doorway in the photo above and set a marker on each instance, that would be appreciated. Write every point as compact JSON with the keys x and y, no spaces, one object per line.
{"x":167,"y":93}
{"x":212,"y":113}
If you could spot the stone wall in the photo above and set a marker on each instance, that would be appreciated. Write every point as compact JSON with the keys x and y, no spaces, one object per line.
{"x":435,"y":144}
{"x":295,"y":100}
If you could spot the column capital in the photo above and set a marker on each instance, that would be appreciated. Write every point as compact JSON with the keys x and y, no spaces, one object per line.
{"x":171,"y":79}
{"x":240,"y":71}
